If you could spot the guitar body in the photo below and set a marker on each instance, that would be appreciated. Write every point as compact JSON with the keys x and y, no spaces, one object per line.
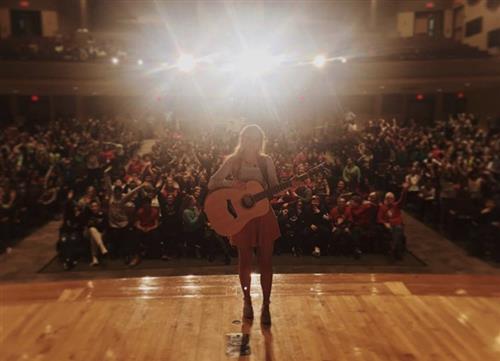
{"x":229,"y":209}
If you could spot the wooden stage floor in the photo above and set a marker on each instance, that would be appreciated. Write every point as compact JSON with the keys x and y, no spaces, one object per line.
{"x":315,"y":317}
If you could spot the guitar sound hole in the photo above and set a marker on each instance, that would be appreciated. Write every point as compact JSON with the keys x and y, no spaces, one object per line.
{"x":231,"y":209}
{"x":247,"y":201}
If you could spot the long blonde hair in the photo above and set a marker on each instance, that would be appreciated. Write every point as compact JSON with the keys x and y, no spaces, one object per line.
{"x":239,"y":149}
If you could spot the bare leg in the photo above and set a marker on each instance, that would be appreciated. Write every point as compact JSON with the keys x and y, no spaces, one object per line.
{"x":96,"y":237}
{"x":245,"y":269}
{"x":265,"y":255}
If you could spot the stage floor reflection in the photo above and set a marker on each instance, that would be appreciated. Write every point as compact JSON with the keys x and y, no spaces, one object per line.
{"x":315,"y":317}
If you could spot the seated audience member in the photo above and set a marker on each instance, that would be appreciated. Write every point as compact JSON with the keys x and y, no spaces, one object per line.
{"x":341,"y":220}
{"x":475,"y":186}
{"x":389,"y":215}
{"x":134,"y":168}
{"x":340,"y":190}
{"x":131,"y":244}
{"x":483,"y":237}
{"x":89,"y":197}
{"x":362,"y":217}
{"x":7,"y":216}
{"x":413,"y":180}
{"x":170,"y":187}
{"x":71,"y":246}
{"x":118,"y":229}
{"x":351,"y":175}
{"x":147,"y":225}
{"x":376,"y":244}
{"x":322,"y":189}
{"x":295,"y":227}
{"x":171,"y":224}
{"x":317,"y":228}
{"x":193,"y":224}
{"x":427,"y":199}
{"x":97,"y":223}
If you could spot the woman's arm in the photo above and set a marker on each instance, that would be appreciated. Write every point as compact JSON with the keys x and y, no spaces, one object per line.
{"x":218,"y":179}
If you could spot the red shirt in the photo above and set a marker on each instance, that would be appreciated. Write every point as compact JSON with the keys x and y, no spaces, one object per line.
{"x":148,"y":217}
{"x":391,"y":215}
{"x":340,"y":216}
{"x":437,"y":153}
{"x":108,"y":155}
{"x":361,"y":215}
{"x":135,"y":167}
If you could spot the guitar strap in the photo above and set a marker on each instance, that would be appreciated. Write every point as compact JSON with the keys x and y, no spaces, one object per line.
{"x":263,"y":169}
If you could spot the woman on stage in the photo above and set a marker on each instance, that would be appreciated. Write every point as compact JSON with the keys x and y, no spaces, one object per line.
{"x":249,"y":162}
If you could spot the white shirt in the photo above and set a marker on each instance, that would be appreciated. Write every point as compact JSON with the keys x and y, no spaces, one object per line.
{"x":246,"y":173}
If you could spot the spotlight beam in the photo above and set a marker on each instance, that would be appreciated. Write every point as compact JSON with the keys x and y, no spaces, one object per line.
{"x":186,"y":63}
{"x":319,"y":61}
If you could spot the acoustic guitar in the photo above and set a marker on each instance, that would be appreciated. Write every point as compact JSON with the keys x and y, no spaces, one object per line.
{"x":229,"y":209}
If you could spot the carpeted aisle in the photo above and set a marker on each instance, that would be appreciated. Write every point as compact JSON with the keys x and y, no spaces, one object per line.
{"x":282,"y":264}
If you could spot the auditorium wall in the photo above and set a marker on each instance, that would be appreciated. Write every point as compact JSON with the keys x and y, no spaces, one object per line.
{"x":406,"y":22}
{"x":485,"y":103}
{"x":424,"y":108}
{"x":56,"y":16}
{"x":409,"y":23}
{"x":486,"y":15}
{"x":490,"y":21}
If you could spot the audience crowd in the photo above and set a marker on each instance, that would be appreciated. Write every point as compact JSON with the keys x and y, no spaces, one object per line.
{"x":41,"y":164}
{"x":118,"y":202}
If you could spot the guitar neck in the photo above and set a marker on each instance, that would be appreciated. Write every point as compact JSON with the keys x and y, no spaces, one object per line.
{"x":268,"y":193}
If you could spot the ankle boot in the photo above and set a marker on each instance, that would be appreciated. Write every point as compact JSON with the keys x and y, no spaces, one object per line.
{"x":247,"y":309}
{"x":265,"y":315}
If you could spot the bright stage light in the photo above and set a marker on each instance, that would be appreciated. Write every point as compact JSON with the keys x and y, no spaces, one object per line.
{"x":343,"y":60}
{"x":319,"y":61}
{"x":255,"y":62}
{"x":140,"y":62}
{"x":115,"y":61}
{"x":186,"y":63}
